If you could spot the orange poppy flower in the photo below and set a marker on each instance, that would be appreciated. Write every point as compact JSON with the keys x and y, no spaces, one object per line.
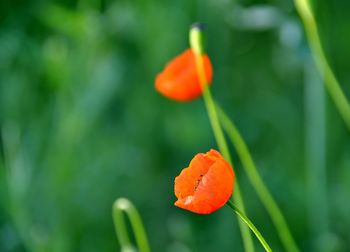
{"x":206,"y":185}
{"x":179,"y":79}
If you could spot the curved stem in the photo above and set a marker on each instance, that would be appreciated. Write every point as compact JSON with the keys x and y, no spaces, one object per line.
{"x":257,"y":182}
{"x":124,"y":205}
{"x":250,"y":225}
{"x":196,"y":37}
{"x":333,"y":87}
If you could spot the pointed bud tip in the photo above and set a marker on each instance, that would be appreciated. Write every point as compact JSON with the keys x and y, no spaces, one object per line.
{"x":197,"y":37}
{"x":198,"y":26}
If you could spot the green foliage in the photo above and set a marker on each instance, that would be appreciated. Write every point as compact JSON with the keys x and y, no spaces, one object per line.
{"x":82,"y":125}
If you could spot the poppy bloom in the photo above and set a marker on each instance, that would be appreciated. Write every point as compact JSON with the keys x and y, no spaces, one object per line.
{"x":179,"y":79}
{"x":206,"y":185}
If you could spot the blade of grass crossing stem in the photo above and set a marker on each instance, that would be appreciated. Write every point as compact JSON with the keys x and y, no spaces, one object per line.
{"x":257,"y":182}
{"x":304,"y":9}
{"x":196,"y":42}
{"x":250,"y":225}
{"x":120,"y":207}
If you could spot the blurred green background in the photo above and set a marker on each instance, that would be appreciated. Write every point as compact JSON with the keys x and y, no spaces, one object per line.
{"x":82,"y":125}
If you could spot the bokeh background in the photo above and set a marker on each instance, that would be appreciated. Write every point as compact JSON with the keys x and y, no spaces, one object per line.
{"x":82,"y":125}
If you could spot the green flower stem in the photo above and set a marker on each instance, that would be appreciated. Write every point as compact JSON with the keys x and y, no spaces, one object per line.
{"x":196,"y":41}
{"x":250,"y":225}
{"x":257,"y":182}
{"x":124,"y":205}
{"x":332,"y":85}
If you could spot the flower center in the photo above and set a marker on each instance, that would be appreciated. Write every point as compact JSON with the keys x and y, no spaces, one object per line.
{"x":198,"y":181}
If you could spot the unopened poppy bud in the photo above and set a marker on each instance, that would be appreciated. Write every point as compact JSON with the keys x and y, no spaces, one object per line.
{"x":197,"y":38}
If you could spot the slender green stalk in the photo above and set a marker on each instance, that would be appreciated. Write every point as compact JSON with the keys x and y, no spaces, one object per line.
{"x":257,"y":182}
{"x":124,"y":205}
{"x":250,"y":225}
{"x":196,"y":41}
{"x":333,"y":87}
{"x":315,"y":154}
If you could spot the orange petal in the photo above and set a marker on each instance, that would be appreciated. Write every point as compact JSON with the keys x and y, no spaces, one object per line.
{"x":206,"y":185}
{"x":179,"y":79}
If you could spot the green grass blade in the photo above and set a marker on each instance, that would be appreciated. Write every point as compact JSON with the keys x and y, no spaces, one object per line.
{"x":257,"y":182}
{"x":332,"y":85}
{"x":120,"y":206}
